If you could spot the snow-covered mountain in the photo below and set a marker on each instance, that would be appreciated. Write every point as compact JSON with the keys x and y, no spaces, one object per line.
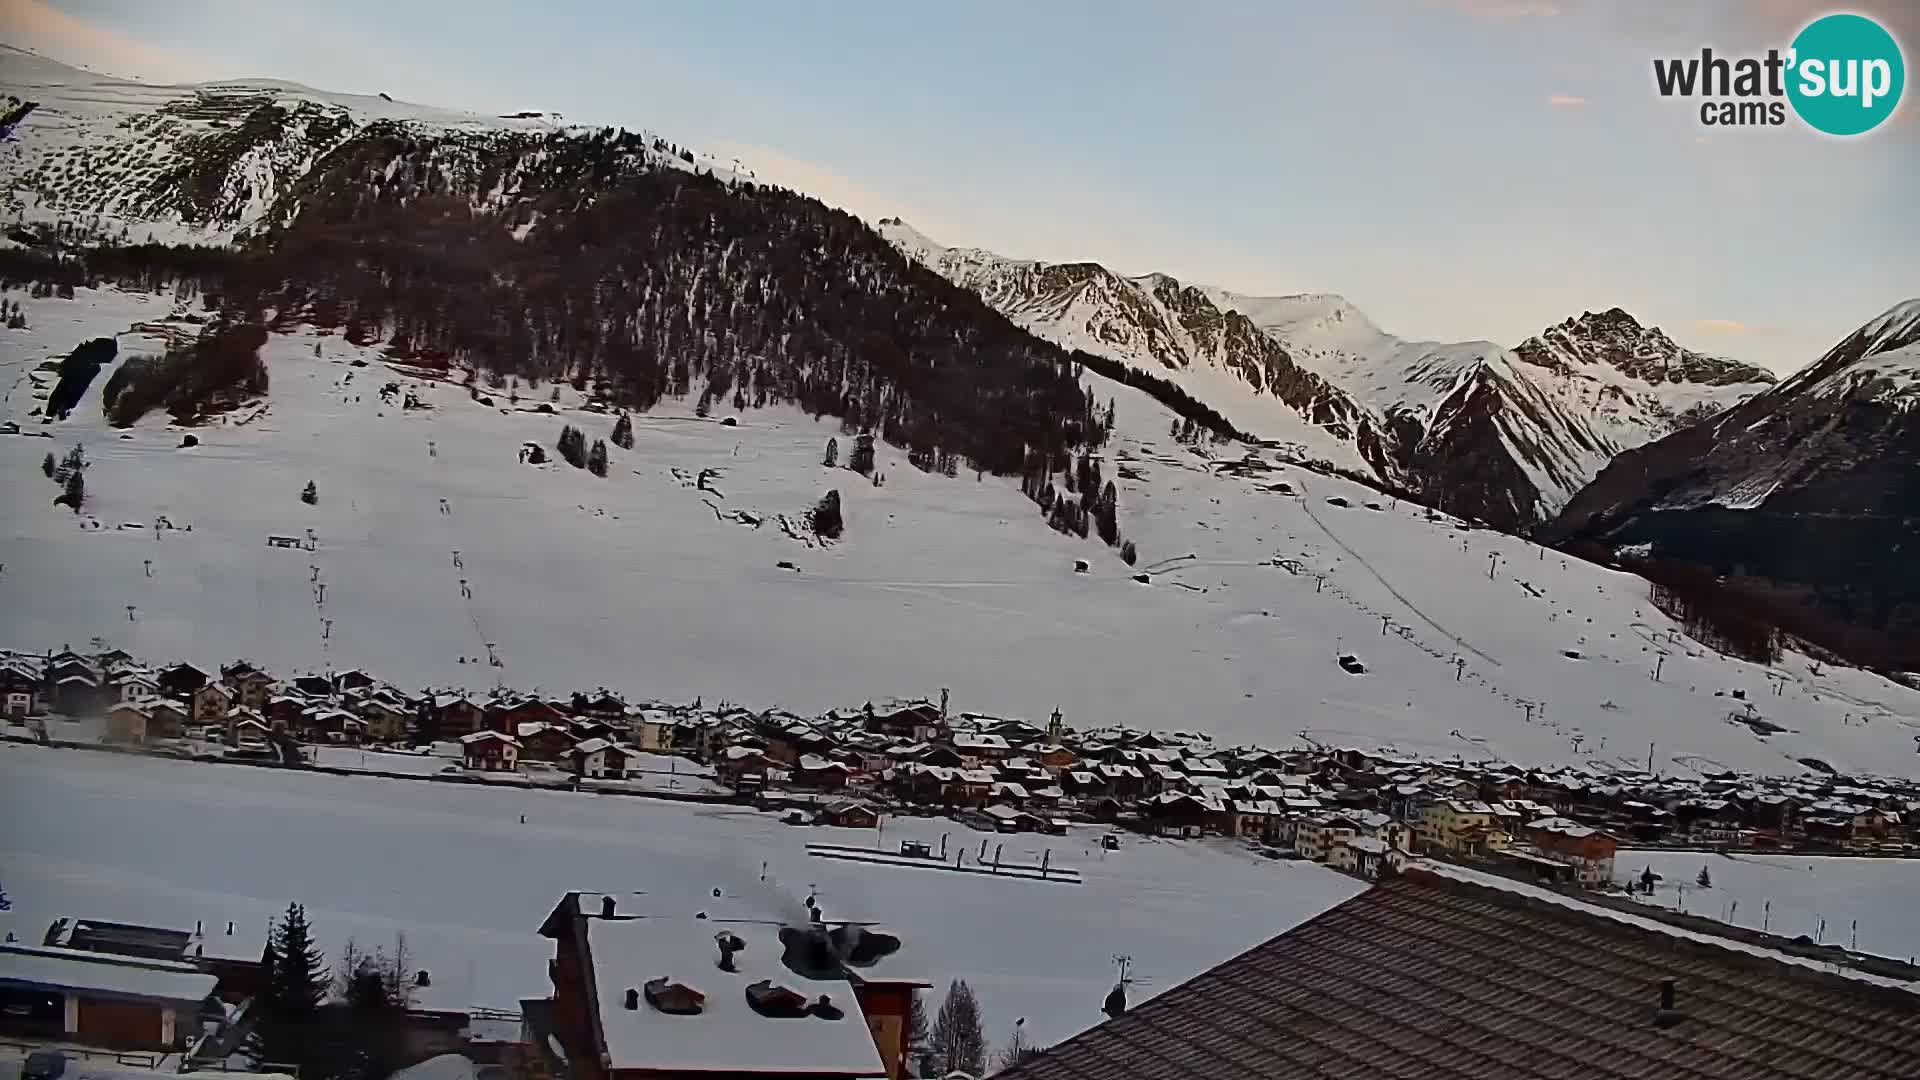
{"x":1503,"y":435}
{"x":207,"y":162}
{"x":1814,"y":484}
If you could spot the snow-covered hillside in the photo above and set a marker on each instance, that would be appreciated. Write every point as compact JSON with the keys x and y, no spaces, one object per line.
{"x":205,"y":162}
{"x":1506,"y":435}
{"x":1475,"y":643}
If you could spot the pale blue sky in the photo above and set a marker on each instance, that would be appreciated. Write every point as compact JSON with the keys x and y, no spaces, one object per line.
{"x":1457,"y":168}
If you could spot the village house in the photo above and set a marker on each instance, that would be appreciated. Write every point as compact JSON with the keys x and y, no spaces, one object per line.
{"x":507,"y":718}
{"x":181,"y":680}
{"x":741,"y":763}
{"x":542,"y":741}
{"x":600,"y":759}
{"x":602,"y":706}
{"x":659,"y":994}
{"x":19,"y":689}
{"x":820,"y":773}
{"x":251,"y":686}
{"x":651,"y":730}
{"x":100,"y":999}
{"x":1589,"y":850}
{"x":457,"y":716}
{"x":1365,"y":857}
{"x":245,"y":727}
{"x":78,"y":693}
{"x":353,"y":679}
{"x":919,"y":721}
{"x":386,"y":720}
{"x":133,"y":685}
{"x":490,"y":751}
{"x":850,"y":814}
{"x":146,"y":720}
{"x":1455,"y":825}
{"x":314,"y":686}
{"x":329,"y":724}
{"x":212,"y":702}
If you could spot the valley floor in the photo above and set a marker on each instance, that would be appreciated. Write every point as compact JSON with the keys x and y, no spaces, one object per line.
{"x":171,"y":842}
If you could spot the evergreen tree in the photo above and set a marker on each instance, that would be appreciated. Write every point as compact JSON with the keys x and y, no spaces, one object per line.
{"x":310,"y":494}
{"x":861,"y":459}
{"x":1128,"y":554}
{"x":573,"y":446}
{"x":623,"y":432}
{"x":76,"y":491}
{"x":597,"y":458}
{"x":824,"y":518}
{"x":299,"y":982}
{"x":959,"y":1041}
{"x":1705,"y":880}
{"x":46,"y":465}
{"x":917,"y":1033}
{"x":832,"y":458}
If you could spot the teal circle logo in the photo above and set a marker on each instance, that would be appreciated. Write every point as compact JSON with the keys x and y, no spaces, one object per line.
{"x":1845,"y":74}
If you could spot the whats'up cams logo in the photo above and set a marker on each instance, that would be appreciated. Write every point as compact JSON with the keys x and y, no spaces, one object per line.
{"x":1842,"y":75}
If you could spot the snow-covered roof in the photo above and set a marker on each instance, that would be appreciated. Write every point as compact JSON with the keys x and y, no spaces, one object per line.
{"x":485,"y":736}
{"x":592,"y":746}
{"x":727,"y":1035}
{"x":103,"y":973}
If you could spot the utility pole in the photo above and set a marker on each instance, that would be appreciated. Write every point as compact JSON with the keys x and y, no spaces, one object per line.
{"x":1658,"y":663}
{"x":1459,"y":668}
{"x":1493,"y":560}
{"x":1649,"y":759}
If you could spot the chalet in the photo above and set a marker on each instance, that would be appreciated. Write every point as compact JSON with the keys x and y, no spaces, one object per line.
{"x":146,"y":720}
{"x":737,"y":765}
{"x":602,"y":706}
{"x":456,"y":716}
{"x":112,"y":657}
{"x":100,"y":999}
{"x":490,"y":751}
{"x":541,"y":741}
{"x":663,"y":995}
{"x":508,"y":717}
{"x":386,"y":719}
{"x":19,"y":690}
{"x":353,"y":680}
{"x":968,"y":787}
{"x":212,"y":702}
{"x":977,"y":747}
{"x":1182,"y":815}
{"x":850,"y":814}
{"x":245,"y":727}
{"x":1589,"y":850}
{"x":921,"y":721}
{"x":821,"y":773}
{"x":284,"y":712}
{"x":588,"y":728}
{"x":1054,"y":757}
{"x":78,"y":693}
{"x":1123,"y":781}
{"x":1364,"y":857}
{"x":251,"y":686}
{"x":133,"y":685}
{"x":600,"y":759}
{"x":326,"y":723}
{"x":181,"y":680}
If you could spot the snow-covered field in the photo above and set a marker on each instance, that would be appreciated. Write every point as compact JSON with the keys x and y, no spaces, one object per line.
{"x":643,"y":583}
{"x":1791,"y":895}
{"x":112,"y":836}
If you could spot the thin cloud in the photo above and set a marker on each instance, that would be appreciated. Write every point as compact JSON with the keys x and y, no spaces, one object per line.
{"x":1566,"y":101}
{"x":1736,"y":328}
{"x":1506,"y":9}
{"x":39,"y":27}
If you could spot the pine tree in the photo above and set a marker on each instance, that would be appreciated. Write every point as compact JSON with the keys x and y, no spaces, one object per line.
{"x":1705,"y":880}
{"x":76,"y":492}
{"x":310,"y":494}
{"x":1128,"y":554}
{"x":573,"y":446}
{"x":861,"y":458}
{"x":597,"y":458}
{"x":46,"y":465}
{"x":832,"y":458}
{"x":959,"y":1041}
{"x":824,"y":518}
{"x":623,"y":432}
{"x":299,"y":974}
{"x":917,"y":1033}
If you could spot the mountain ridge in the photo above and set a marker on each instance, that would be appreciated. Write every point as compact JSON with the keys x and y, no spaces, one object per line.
{"x":1502,"y":435}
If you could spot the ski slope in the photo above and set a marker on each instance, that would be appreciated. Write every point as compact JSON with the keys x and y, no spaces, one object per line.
{"x":164,"y":842}
{"x":649,"y":585}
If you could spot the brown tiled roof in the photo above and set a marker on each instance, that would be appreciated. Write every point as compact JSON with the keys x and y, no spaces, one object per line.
{"x":1428,"y":978}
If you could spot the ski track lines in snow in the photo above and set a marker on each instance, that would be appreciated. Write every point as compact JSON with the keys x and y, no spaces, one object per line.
{"x":165,"y":841}
{"x":631,"y":582}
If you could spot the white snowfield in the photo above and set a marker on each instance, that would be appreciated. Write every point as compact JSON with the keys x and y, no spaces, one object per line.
{"x":1853,"y":902}
{"x":436,"y":547}
{"x":169,"y":842}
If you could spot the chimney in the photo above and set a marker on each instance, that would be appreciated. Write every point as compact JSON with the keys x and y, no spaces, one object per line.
{"x":229,"y":927}
{"x":633,"y":999}
{"x":1669,"y":1013}
{"x":606,"y":907}
{"x":422,"y":978}
{"x":196,"y":926}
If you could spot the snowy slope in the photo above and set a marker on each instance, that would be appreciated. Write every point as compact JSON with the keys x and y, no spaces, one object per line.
{"x":203,"y":163}
{"x":1790,"y":896}
{"x":1506,"y":435}
{"x":643,"y":583}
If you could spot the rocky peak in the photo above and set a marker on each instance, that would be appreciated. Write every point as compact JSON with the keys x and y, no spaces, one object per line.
{"x":1617,"y":340}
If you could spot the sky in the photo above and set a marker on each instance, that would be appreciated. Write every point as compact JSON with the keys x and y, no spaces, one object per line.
{"x":1459,"y":169}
